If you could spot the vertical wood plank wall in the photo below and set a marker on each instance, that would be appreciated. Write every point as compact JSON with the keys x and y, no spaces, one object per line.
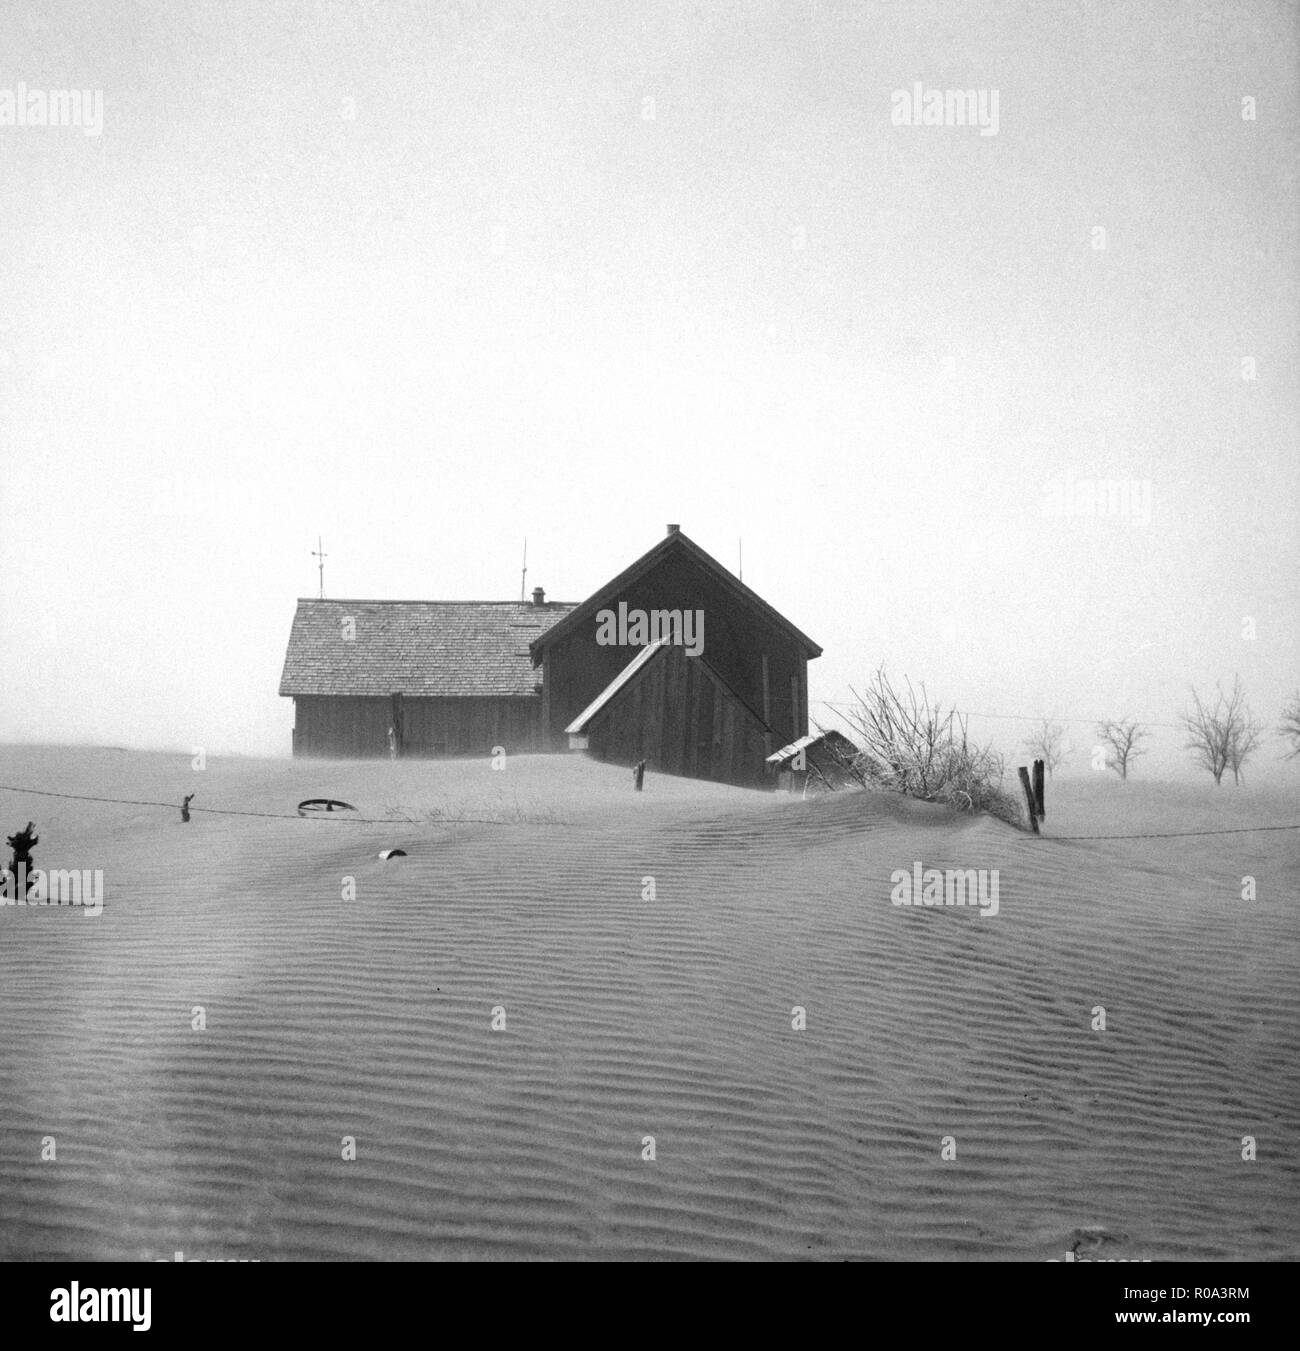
{"x":678,"y":719}
{"x":577,"y":668}
{"x":357,"y":727}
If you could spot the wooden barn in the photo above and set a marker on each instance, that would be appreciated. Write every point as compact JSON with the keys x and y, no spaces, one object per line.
{"x":449,"y":677}
{"x":699,"y":675}
{"x":714,"y":713}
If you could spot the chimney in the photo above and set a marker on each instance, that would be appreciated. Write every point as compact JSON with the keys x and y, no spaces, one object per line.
{"x":674,"y":529}
{"x":539,"y":596}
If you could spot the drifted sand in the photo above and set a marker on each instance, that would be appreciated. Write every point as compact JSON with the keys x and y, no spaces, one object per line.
{"x":628,"y":1017}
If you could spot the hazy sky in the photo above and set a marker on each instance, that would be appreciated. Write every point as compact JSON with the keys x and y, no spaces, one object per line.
{"x":426,"y":279}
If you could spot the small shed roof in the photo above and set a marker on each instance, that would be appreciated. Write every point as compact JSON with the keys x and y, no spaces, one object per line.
{"x":831,"y":738}
{"x":420,"y":648}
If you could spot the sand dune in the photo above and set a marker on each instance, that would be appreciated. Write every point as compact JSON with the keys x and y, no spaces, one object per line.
{"x":628,"y":1017}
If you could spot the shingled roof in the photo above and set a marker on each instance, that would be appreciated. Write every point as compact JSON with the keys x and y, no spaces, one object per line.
{"x":420,"y":648}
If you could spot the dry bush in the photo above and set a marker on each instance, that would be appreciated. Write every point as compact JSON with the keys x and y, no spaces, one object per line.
{"x":909,"y":745}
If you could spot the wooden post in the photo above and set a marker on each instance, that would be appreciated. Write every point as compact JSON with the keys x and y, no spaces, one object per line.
{"x":398,"y":730}
{"x":638,"y":773}
{"x":1038,"y":790}
{"x":23,"y":842}
{"x":1029,"y":798}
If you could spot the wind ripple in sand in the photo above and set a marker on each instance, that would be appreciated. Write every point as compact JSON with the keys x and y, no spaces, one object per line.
{"x":625,"y":1018}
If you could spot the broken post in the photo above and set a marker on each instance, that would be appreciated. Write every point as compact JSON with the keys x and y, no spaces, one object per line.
{"x":1038,"y":790}
{"x":1029,"y":798}
{"x":185,"y":806}
{"x":22,"y":842}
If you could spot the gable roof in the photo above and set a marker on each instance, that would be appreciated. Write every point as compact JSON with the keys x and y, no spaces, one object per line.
{"x":671,"y":543}
{"x":420,"y":648}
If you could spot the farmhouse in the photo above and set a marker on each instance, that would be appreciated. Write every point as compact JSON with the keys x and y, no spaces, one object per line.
{"x":449,"y":677}
{"x":709,"y":695}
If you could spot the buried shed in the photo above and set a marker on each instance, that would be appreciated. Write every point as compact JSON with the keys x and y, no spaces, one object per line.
{"x":822,"y":757}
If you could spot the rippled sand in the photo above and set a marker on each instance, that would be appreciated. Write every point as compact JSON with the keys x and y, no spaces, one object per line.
{"x":628,"y":1017}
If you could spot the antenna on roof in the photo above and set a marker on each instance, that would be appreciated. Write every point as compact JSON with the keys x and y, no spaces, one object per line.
{"x":523,"y":578}
{"x":317,"y":552}
{"x":740,"y":546}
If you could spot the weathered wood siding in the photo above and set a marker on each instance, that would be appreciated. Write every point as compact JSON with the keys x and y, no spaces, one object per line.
{"x":736,"y":638}
{"x":677,"y":718}
{"x":358,"y":727}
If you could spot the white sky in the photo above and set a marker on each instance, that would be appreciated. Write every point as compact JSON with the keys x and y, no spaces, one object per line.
{"x":503,"y":301}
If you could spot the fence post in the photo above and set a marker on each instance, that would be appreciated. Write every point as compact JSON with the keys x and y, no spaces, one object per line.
{"x":1038,"y":790}
{"x":1029,"y":798}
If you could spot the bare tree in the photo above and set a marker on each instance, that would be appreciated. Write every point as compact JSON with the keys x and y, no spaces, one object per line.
{"x":1122,"y":737}
{"x":1245,"y":741}
{"x":1046,"y":743}
{"x":1221,"y":735}
{"x":1290,"y":727}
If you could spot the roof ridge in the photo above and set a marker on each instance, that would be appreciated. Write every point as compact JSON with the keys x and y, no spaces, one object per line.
{"x":650,"y":559}
{"x":388,"y":600}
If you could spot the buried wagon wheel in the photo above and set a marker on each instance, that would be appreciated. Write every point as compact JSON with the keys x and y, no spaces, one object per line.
{"x":323,"y":806}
